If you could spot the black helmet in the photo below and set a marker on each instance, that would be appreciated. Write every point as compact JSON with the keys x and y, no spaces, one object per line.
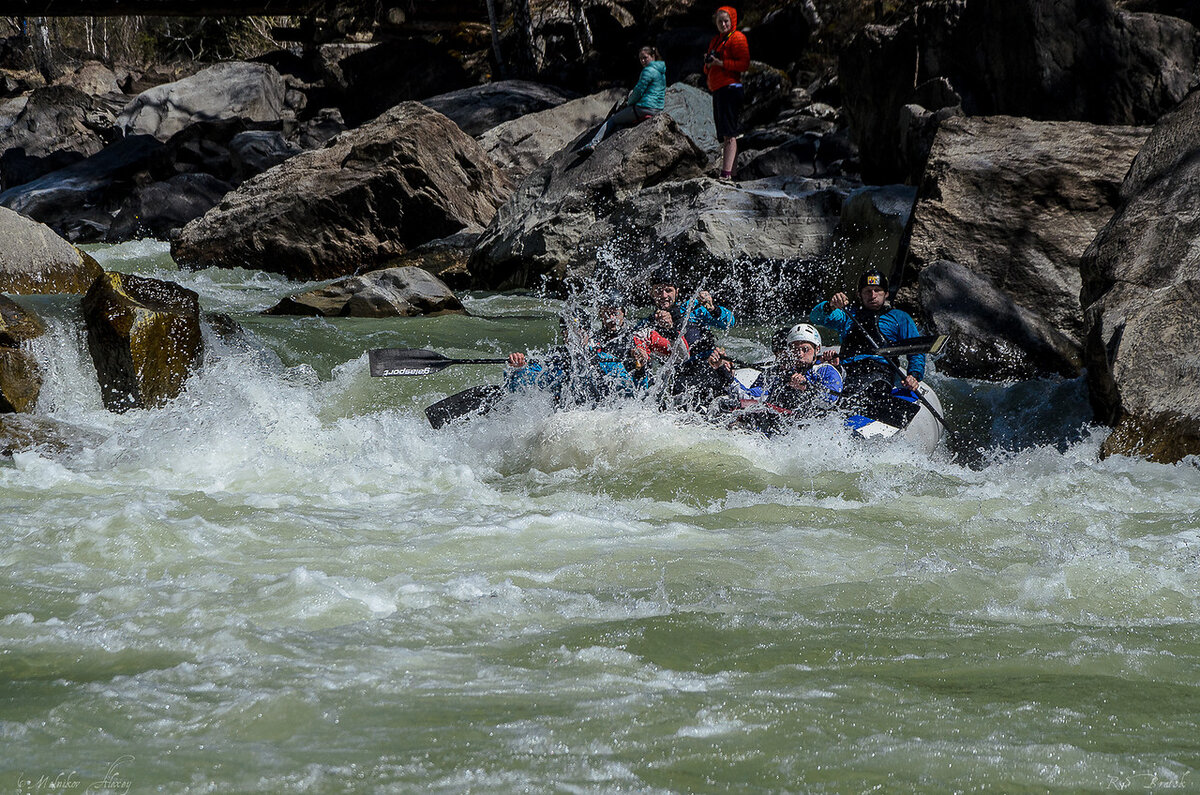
{"x":610,"y":299}
{"x":663,"y":274}
{"x":872,"y":278}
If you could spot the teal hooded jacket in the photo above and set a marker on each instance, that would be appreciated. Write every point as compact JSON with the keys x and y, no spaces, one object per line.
{"x":651,"y":89}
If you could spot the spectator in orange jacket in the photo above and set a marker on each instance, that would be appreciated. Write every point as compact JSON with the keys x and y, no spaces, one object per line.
{"x":727,"y":57}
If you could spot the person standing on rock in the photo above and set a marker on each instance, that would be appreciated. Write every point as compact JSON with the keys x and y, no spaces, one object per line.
{"x":645,"y":100}
{"x":727,"y":58}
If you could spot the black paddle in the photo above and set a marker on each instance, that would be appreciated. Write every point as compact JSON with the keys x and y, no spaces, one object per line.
{"x":931,"y":345}
{"x":476,"y":400}
{"x":415,"y":361}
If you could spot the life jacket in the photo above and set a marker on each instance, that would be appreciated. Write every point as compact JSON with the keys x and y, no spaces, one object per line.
{"x":864,"y":335}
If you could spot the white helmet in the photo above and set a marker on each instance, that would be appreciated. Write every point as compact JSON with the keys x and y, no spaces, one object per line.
{"x":803,"y":332}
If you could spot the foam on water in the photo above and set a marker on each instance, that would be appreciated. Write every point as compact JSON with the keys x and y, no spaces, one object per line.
{"x":285,"y":580}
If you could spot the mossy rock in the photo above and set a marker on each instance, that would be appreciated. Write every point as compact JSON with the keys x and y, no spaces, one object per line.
{"x":145,"y":339}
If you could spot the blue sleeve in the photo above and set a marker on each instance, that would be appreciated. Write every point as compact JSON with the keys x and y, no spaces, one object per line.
{"x":835,"y":319}
{"x":828,"y":376}
{"x":906,"y":327}
{"x":722,"y":319}
{"x":523,"y":377}
{"x":645,"y":80}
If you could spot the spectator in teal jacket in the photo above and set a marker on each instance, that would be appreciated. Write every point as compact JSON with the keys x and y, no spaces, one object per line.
{"x":645,"y":100}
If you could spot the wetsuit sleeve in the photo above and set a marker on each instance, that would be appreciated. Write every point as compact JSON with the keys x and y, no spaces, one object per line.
{"x":523,"y":377}
{"x":835,"y":319}
{"x":829,"y":378}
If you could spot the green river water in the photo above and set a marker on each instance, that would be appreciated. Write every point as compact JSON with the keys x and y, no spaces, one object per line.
{"x":286,"y":581}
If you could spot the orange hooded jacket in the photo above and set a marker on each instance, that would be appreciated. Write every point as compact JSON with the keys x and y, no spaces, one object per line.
{"x":734,"y":52}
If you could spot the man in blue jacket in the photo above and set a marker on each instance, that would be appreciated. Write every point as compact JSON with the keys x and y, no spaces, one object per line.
{"x":705,"y":313}
{"x":871,"y":324}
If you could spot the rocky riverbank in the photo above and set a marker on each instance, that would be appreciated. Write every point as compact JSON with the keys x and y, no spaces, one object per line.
{"x":1021,"y":170}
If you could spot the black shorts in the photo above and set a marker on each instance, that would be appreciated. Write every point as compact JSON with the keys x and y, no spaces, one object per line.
{"x":727,"y":111}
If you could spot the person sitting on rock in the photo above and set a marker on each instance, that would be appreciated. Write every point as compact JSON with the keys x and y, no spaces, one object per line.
{"x":872,"y":324}
{"x":645,"y":100}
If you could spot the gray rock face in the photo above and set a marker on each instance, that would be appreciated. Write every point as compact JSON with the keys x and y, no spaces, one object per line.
{"x":1141,"y":290}
{"x":641,"y":198}
{"x":93,"y":78}
{"x":445,"y":257}
{"x":691,"y":108}
{"x":53,"y":127}
{"x":1056,"y":61}
{"x":542,"y":228}
{"x":251,"y":91}
{"x":78,"y":201}
{"x":161,"y":209}
{"x":1017,"y":202}
{"x":991,"y":338}
{"x":391,"y":292}
{"x":871,"y":230}
{"x":254,"y":151}
{"x":521,"y":145}
{"x":372,"y":193}
{"x":480,"y":108}
{"x":33,"y":259}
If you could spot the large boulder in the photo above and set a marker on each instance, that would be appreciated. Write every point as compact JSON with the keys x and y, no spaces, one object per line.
{"x":252,"y":91}
{"x":761,"y":245}
{"x":691,"y":108}
{"x":539,"y":231}
{"x":808,"y":155}
{"x":79,"y":201}
{"x":1141,"y":290}
{"x":1017,"y":202}
{"x":372,"y":193}
{"x":144,"y":337}
{"x":1083,"y":61}
{"x":33,"y":259}
{"x":480,"y":108}
{"x":20,"y":376}
{"x":991,"y":337}
{"x":52,"y":128}
{"x":872,"y":228}
{"x":447,"y":257}
{"x":390,"y":292}
{"x":94,"y":79}
{"x":521,"y":145}
{"x":159,"y":210}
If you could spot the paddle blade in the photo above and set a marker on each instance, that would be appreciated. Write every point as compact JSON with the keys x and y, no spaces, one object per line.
{"x":931,"y":345}
{"x":476,"y":400}
{"x":405,"y":361}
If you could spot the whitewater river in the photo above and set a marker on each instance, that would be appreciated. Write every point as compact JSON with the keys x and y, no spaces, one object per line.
{"x":286,"y":581}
